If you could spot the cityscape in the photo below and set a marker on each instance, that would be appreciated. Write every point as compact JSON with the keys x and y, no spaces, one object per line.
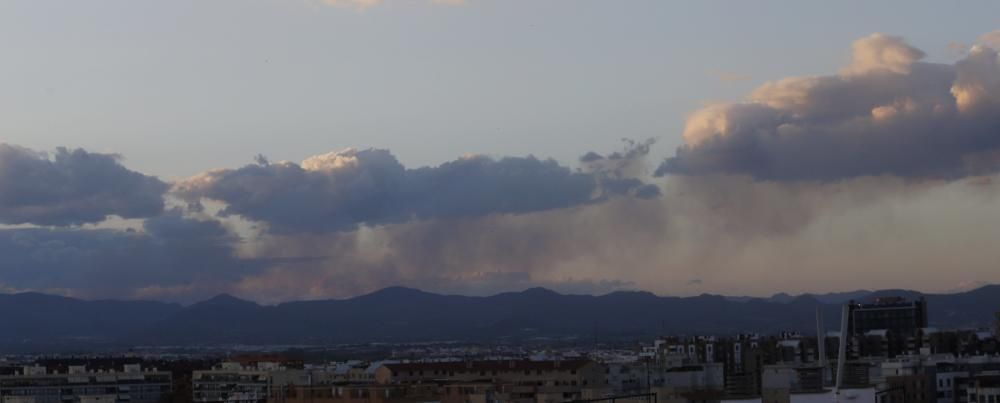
{"x":499,"y":201}
{"x":891,"y":354}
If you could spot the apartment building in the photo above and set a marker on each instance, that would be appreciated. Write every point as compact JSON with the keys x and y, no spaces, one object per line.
{"x":984,"y":389}
{"x":540,"y":373}
{"x":511,"y":380}
{"x":233,"y":382}
{"x":131,"y":384}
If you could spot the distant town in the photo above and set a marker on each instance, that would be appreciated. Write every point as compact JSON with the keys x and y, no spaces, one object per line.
{"x":891,"y":354}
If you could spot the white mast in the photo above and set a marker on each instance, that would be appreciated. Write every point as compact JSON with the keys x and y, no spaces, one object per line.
{"x":842,"y":353}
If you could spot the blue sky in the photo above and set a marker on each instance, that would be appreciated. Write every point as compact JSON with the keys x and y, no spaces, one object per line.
{"x":182,"y":86}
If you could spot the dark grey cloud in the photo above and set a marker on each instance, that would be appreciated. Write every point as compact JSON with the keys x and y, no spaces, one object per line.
{"x":591,"y":157}
{"x":72,"y":187}
{"x":887,"y":113}
{"x":172,"y":257}
{"x":341,"y":190}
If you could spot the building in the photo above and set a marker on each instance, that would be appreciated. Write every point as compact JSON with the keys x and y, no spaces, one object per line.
{"x":780,"y":382}
{"x":888,"y":327}
{"x":365,"y":393}
{"x":131,"y":384}
{"x":895,"y":314}
{"x":743,"y":359}
{"x":539,"y":373}
{"x":502,"y":380}
{"x":949,"y":387}
{"x":233,"y":382}
{"x":984,"y":389}
{"x":702,"y":382}
{"x":914,"y":388}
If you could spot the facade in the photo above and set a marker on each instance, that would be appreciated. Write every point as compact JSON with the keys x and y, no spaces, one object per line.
{"x":501,"y":380}
{"x":580,"y":373}
{"x":132,"y":384}
{"x":702,"y":382}
{"x":916,"y":388}
{"x":355,"y":393}
{"x":888,"y":327}
{"x":984,"y":389}
{"x":949,"y":387}
{"x":234,"y":383}
{"x":780,"y":382}
{"x":895,"y":314}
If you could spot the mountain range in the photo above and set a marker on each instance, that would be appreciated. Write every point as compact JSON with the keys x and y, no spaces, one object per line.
{"x":39,"y":322}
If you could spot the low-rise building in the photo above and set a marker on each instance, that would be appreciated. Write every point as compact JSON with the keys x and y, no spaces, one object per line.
{"x":233,"y":382}
{"x":984,"y":389}
{"x":131,"y":384}
{"x":501,"y":380}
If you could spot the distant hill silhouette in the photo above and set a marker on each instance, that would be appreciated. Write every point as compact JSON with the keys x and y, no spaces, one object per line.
{"x":34,"y":322}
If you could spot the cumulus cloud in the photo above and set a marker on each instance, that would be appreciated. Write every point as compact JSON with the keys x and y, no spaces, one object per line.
{"x":341,"y":190}
{"x":727,"y":231}
{"x":886,"y":113}
{"x":880,"y":52}
{"x":72,"y":187}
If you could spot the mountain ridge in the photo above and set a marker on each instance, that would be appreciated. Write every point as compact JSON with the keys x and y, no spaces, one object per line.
{"x":41,"y":321}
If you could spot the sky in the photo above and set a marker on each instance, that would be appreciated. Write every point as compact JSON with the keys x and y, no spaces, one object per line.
{"x":304,"y":149}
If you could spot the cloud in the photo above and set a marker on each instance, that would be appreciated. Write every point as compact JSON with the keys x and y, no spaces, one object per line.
{"x":880,"y":52}
{"x":342,"y":190}
{"x":193,"y":258}
{"x":72,"y":187}
{"x":727,"y":231}
{"x":882,"y":174}
{"x":990,"y":39}
{"x":886,"y":113}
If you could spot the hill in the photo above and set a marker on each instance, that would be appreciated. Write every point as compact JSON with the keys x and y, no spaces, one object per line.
{"x":38,"y":321}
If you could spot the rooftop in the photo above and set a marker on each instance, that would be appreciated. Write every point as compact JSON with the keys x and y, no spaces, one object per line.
{"x":494,"y":365}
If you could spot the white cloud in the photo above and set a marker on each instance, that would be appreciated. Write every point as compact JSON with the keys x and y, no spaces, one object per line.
{"x":887,"y":112}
